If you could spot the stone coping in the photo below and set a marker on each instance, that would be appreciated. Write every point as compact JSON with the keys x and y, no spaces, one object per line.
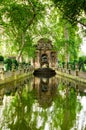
{"x":73,"y":77}
{"x":13,"y":78}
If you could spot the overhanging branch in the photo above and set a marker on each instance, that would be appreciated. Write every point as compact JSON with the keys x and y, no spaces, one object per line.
{"x":70,"y":19}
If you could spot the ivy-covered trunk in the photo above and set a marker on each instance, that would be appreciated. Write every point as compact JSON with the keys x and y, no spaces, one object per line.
{"x":67,"y":57}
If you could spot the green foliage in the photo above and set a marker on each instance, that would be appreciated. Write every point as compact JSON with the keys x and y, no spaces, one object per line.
{"x":8,"y":61}
{"x":21,"y":14}
{"x":17,"y":18}
{"x":63,"y":64}
{"x":82,"y":62}
{"x":24,"y":22}
{"x":71,"y":10}
{"x":82,"y":59}
{"x":69,"y":44}
{"x":8,"y":64}
{"x":15,"y":63}
{"x":1,"y":58}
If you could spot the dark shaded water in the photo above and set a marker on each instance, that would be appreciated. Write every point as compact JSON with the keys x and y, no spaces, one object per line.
{"x":43,"y":104}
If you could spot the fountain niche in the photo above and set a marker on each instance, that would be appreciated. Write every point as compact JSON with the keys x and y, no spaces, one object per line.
{"x":45,"y":59}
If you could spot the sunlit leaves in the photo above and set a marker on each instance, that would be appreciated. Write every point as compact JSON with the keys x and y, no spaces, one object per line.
{"x":17,"y":18}
{"x":71,"y":10}
{"x":27,"y":21}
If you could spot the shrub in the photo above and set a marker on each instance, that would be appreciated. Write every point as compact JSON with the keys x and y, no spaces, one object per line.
{"x":81,"y":62}
{"x":1,"y":58}
{"x":15,"y":62}
{"x":8,"y":63}
{"x":63,"y":64}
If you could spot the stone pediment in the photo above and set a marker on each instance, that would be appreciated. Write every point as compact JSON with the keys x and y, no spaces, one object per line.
{"x":44,"y":44}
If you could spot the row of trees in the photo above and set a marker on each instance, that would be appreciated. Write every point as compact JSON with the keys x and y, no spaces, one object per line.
{"x":11,"y":63}
{"x":80,"y":64}
{"x":22,"y":23}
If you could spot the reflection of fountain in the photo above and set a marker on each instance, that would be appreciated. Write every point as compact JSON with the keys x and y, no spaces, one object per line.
{"x":46,"y":89}
{"x":25,"y":114}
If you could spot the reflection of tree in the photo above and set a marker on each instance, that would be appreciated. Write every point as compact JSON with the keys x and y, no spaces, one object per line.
{"x":19,"y":110}
{"x":24,"y":112}
{"x":66,"y":107}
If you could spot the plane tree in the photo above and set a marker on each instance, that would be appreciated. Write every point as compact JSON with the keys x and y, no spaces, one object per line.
{"x":16,"y":20}
{"x":74,"y":11}
{"x":64,"y":36}
{"x":26,"y":21}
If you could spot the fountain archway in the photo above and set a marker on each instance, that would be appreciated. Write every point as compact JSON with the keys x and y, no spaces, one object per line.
{"x":45,"y":54}
{"x":44,"y":61}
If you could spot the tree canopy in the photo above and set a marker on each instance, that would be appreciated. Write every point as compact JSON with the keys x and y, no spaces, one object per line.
{"x":74,"y":10}
{"x":17,"y":18}
{"x":22,"y":23}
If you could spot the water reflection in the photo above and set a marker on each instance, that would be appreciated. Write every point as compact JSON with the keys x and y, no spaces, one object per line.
{"x":43,"y":104}
{"x":45,"y":89}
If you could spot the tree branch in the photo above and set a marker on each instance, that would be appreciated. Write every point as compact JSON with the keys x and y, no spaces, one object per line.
{"x":81,"y":23}
{"x":34,"y":15}
{"x":70,"y":19}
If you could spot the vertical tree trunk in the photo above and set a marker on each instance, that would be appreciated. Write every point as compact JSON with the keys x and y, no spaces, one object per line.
{"x":67,"y":57}
{"x":20,"y":57}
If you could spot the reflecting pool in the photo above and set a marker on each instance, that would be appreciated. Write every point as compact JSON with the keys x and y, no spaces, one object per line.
{"x":43,"y":104}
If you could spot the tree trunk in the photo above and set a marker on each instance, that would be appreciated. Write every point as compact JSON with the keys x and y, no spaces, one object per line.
{"x":20,"y":58}
{"x":67,"y":57}
{"x":29,"y":23}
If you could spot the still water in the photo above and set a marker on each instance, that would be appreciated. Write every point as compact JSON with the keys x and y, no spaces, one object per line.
{"x":43,"y":104}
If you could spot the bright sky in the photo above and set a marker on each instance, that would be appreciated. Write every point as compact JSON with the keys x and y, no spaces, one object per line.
{"x":83,"y":47}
